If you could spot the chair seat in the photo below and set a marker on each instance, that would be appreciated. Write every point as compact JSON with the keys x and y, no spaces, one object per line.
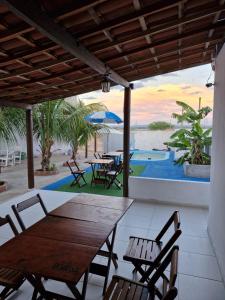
{"x":111,"y":173}
{"x":79,"y":172}
{"x":10,"y":277}
{"x":124,"y":289}
{"x":142,"y":250}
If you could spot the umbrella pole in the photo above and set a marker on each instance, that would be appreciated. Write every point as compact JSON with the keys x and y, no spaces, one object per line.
{"x":126,"y":140}
{"x":95,"y":143}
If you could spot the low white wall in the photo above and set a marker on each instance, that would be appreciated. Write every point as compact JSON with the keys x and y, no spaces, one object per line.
{"x":171,"y":191}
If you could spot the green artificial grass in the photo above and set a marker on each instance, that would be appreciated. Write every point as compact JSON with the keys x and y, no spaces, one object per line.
{"x":99,"y":188}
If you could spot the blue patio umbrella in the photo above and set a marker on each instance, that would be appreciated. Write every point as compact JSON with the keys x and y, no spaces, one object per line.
{"x":106,"y":117}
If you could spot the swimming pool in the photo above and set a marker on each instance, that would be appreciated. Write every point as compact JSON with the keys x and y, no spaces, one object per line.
{"x":152,"y":155}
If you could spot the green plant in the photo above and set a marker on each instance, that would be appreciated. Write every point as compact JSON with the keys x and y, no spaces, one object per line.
{"x":160,"y":125}
{"x":79,"y":131}
{"x":193,"y":140}
{"x":12,"y":124}
{"x":48,"y":119}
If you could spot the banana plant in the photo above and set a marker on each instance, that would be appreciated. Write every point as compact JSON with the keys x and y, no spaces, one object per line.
{"x":193,"y":140}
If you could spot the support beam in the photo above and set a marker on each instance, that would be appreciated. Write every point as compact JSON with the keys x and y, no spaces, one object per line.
{"x":126,"y":140}
{"x":18,"y":104}
{"x":31,"y":12}
{"x":30,"y":155}
{"x":86,"y":149}
{"x":95,"y":143}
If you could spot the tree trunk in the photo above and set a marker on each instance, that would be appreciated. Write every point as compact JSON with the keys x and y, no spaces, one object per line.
{"x":74,"y":151}
{"x":46,"y":155}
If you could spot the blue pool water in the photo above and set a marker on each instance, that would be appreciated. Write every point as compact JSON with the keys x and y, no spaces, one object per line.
{"x":164,"y":168}
{"x":150,"y":155}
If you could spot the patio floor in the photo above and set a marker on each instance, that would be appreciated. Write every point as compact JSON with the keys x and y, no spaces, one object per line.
{"x":199,"y":275}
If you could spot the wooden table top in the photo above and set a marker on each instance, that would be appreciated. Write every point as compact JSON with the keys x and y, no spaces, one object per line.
{"x":114,"y":153}
{"x":70,"y":230}
{"x":88,"y":213}
{"x":49,"y":258}
{"x":100,"y":161}
{"x":121,"y":203}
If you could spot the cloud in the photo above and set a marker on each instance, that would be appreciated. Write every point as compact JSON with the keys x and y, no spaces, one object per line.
{"x":194,"y":93}
{"x":170,"y":75}
{"x":138,"y":85}
{"x":186,"y":87}
{"x":161,"y":90}
{"x":89,"y":98}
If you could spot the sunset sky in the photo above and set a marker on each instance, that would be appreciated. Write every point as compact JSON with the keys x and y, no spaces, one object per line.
{"x":154,"y":99}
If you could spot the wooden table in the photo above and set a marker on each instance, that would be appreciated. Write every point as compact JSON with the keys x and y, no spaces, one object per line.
{"x":114,"y":153}
{"x":99,"y":161}
{"x":62,"y":246}
{"x":121,"y":203}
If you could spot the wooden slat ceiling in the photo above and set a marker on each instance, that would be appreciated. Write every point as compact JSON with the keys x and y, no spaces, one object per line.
{"x":134,"y":38}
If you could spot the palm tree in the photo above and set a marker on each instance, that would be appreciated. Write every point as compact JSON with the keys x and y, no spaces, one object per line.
{"x":12,"y":124}
{"x":79,"y":131}
{"x":49,"y":118}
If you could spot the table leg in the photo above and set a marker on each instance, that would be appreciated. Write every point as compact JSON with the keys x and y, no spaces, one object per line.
{"x":93,"y":173}
{"x":109,"y":259}
{"x":84,"y":289}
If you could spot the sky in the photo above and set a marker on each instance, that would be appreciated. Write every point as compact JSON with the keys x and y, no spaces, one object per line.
{"x":154,"y":99}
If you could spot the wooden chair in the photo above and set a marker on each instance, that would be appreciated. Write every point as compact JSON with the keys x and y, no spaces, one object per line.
{"x":77,"y":173}
{"x":11,"y":280}
{"x":149,"y":253}
{"x":26,"y":204}
{"x":122,"y":288}
{"x":113,"y":176}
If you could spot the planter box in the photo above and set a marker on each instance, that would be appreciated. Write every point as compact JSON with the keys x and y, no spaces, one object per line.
{"x":199,"y":171}
{"x":45,"y":173}
{"x":3,"y":186}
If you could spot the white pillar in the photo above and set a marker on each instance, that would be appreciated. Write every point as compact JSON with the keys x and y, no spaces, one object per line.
{"x":216,"y":223}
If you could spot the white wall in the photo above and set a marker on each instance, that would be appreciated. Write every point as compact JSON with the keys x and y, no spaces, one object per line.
{"x":170,"y":191}
{"x":216,"y":224}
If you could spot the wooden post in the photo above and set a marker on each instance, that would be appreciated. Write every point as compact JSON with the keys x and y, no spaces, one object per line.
{"x":30,"y":156}
{"x":95,"y":143}
{"x":86,"y":149}
{"x":126,"y":140}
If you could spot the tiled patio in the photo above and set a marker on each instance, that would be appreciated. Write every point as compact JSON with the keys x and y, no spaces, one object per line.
{"x":199,"y":275}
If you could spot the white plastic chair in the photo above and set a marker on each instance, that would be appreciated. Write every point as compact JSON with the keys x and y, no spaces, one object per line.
{"x":6,"y":158}
{"x":17,"y":155}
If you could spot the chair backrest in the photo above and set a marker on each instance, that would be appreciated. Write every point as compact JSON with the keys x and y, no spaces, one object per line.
{"x":96,"y":155}
{"x":72,"y":164}
{"x":175,"y":220}
{"x":25,"y":205}
{"x":130,"y":155}
{"x":168,"y":291}
{"x":9,"y":221}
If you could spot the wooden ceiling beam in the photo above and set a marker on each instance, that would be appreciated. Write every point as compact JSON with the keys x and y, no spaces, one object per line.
{"x":173,"y":38}
{"x":31,"y":13}
{"x":7,"y":103}
{"x":155,"y":28}
{"x":45,"y":90}
{"x":83,"y":68}
{"x":154,"y":8}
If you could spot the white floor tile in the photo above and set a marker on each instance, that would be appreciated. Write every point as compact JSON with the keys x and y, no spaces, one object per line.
{"x":194,"y":288}
{"x":198,"y":245}
{"x":204,"y":266}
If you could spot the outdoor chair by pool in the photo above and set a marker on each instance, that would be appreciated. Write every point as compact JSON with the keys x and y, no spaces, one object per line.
{"x":122,"y":288}
{"x":146,"y":254}
{"x":17,"y":209}
{"x":113,"y":176}
{"x":10,"y":280}
{"x":77,"y":173}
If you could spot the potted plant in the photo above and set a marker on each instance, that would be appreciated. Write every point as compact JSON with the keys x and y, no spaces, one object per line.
{"x":193,"y":141}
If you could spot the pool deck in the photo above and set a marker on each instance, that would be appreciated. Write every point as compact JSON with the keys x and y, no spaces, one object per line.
{"x":165,"y":169}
